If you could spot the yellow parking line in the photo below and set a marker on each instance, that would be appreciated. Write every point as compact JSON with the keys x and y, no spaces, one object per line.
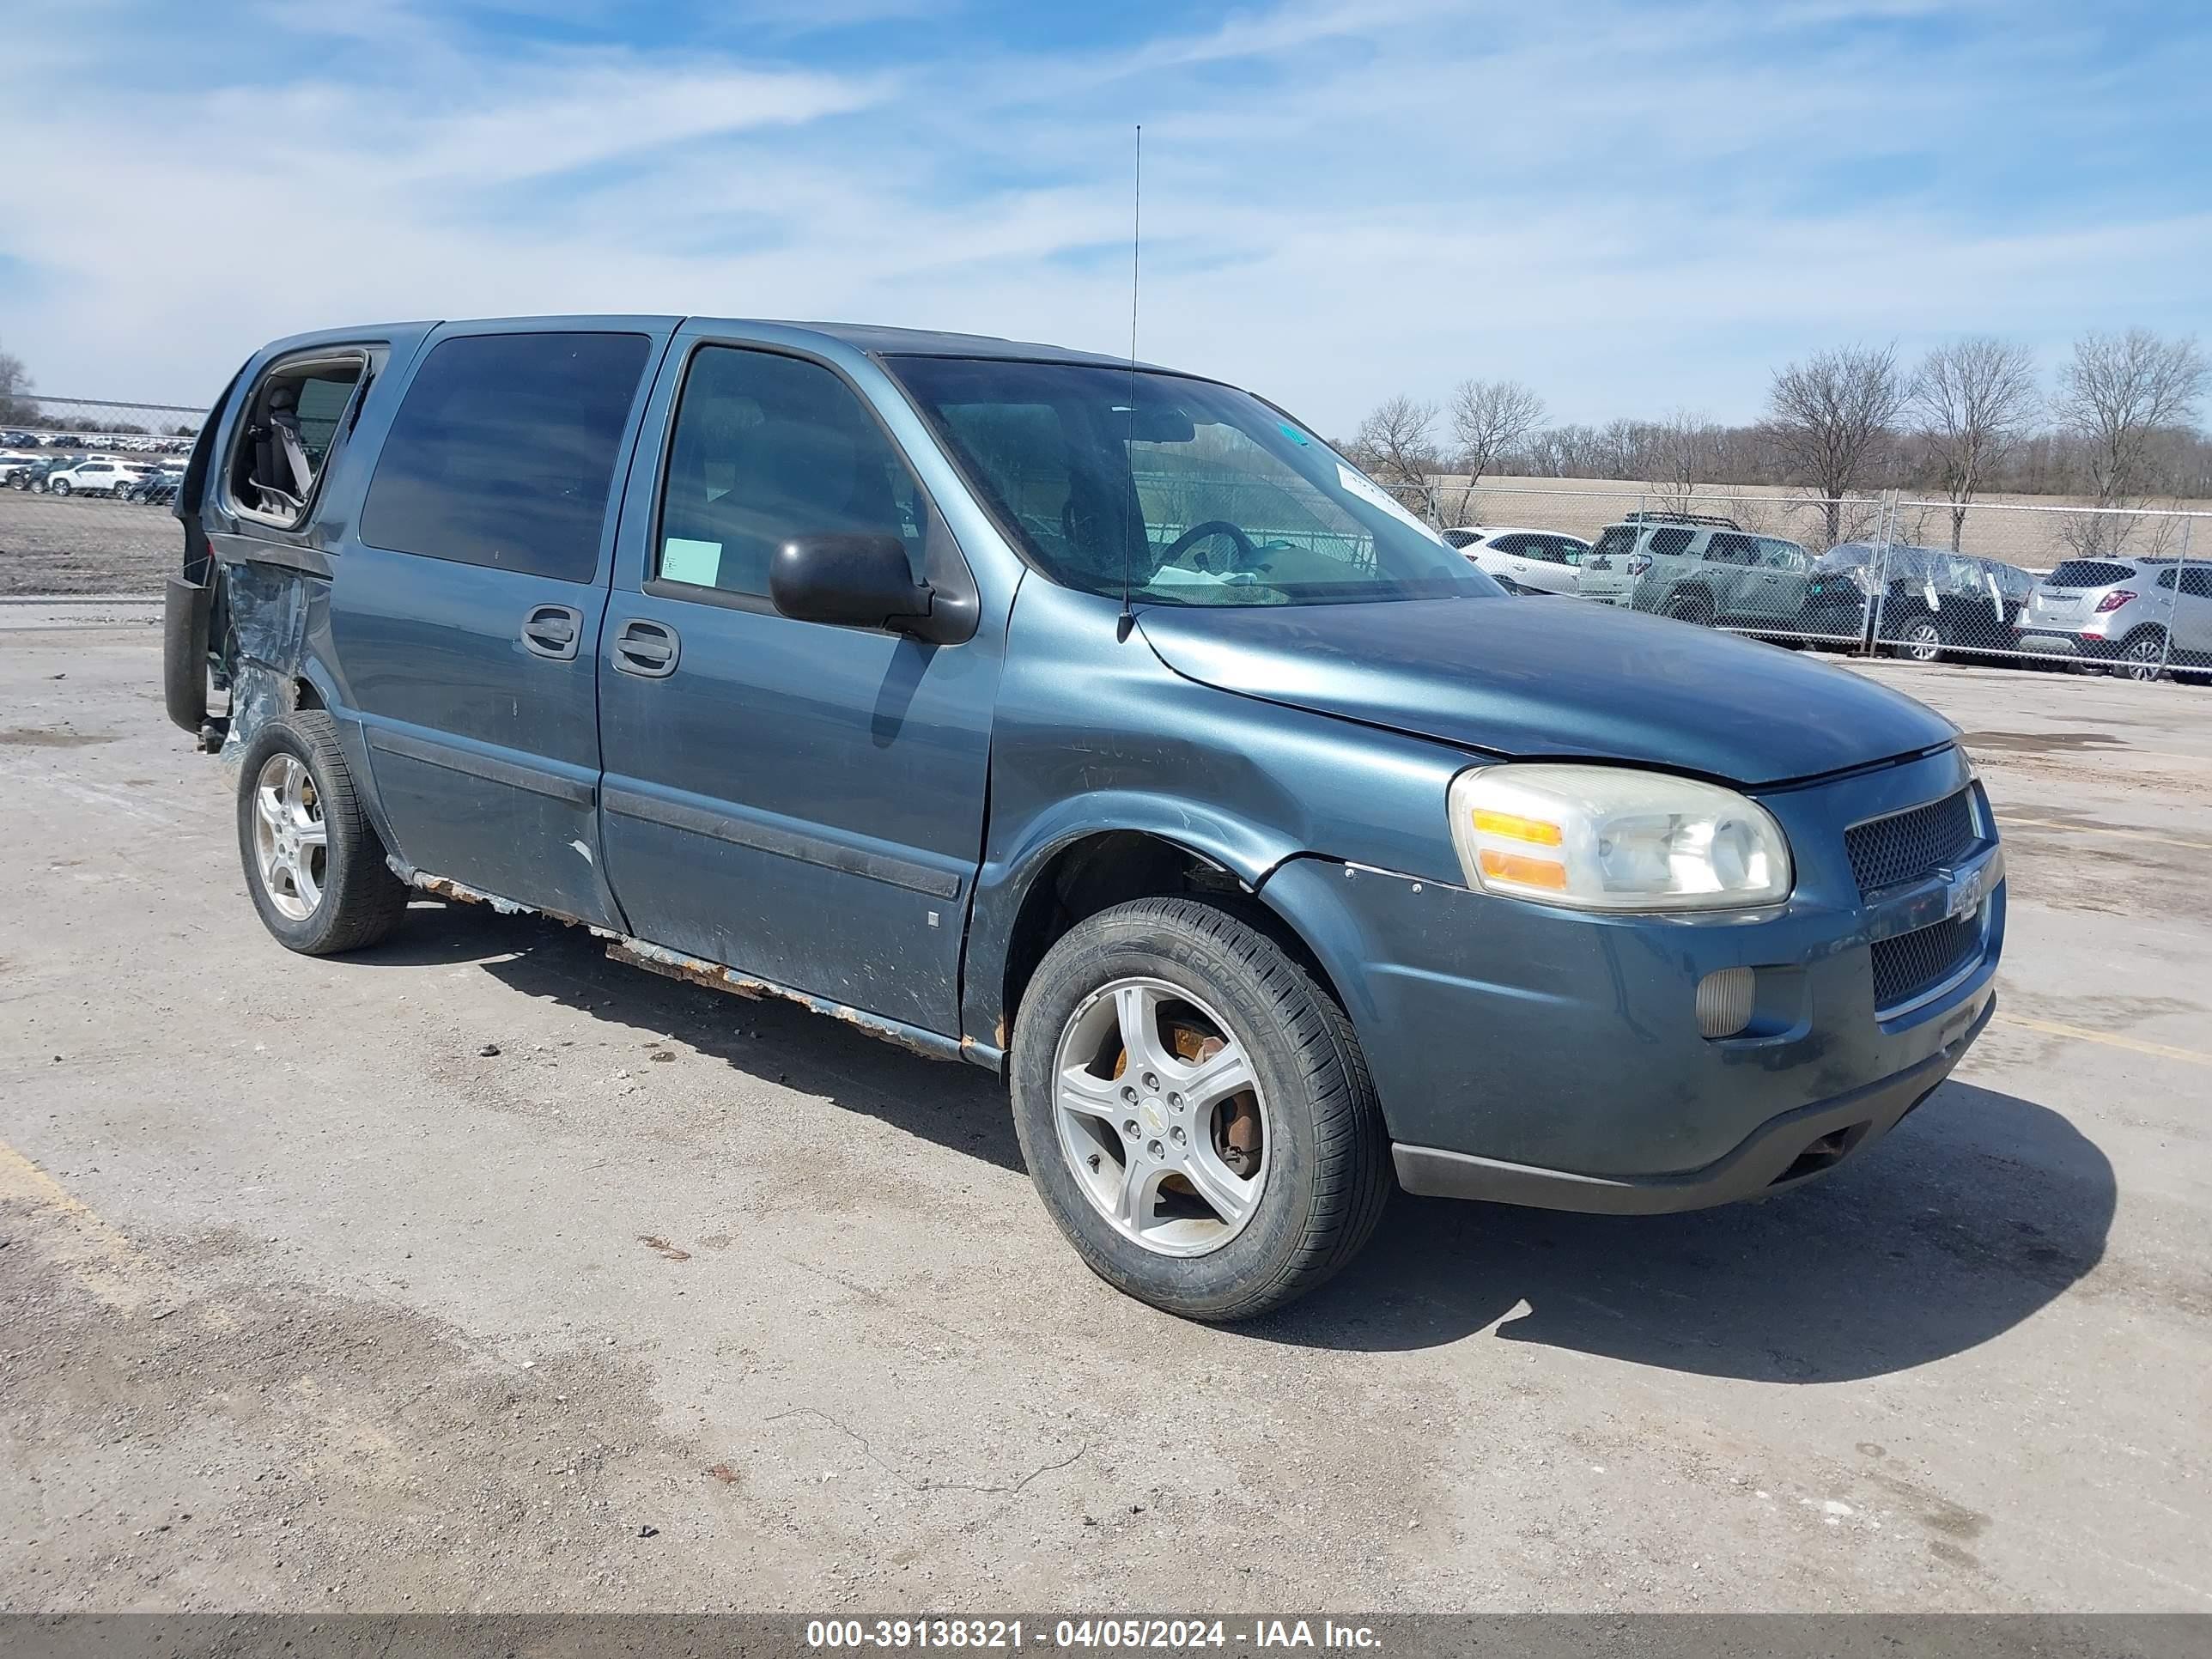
{"x":2052,"y":1028}
{"x":2100,"y":829}
{"x":105,"y":1262}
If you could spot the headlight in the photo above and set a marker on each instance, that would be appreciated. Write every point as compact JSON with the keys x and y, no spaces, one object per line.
{"x":1607,"y":838}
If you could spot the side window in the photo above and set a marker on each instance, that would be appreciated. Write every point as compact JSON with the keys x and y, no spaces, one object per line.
{"x":1568,"y":552}
{"x":1781,"y":556}
{"x":1669,"y":543}
{"x":2165,"y":579}
{"x":1732,"y":550}
{"x":290,"y":428}
{"x":766,"y":448}
{"x":503,"y":451}
{"x":2197,"y":581}
{"x":1517,"y":545}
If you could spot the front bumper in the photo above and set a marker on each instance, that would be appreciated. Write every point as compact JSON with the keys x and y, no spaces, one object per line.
{"x":1520,"y":1049}
{"x":1791,"y":1148}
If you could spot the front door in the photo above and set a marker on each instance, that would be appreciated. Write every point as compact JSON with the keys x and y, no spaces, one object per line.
{"x":468,"y":601}
{"x":797,"y":801}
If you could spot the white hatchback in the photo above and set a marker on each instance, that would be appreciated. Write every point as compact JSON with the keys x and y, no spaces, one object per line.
{"x":1530,"y":561}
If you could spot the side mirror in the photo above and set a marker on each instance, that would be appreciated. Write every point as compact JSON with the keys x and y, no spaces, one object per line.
{"x":849,"y":581}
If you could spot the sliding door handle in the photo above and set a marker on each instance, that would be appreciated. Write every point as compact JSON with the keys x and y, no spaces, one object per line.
{"x":552,"y":630}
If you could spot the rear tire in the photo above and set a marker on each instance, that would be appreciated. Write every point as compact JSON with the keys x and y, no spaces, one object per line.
{"x":58,"y":487}
{"x":1320,"y":1169}
{"x":313,"y":863}
{"x":1922,"y":641}
{"x":2142,"y":655}
{"x":1690,"y":608}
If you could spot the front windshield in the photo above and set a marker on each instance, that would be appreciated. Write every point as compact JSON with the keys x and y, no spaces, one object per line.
{"x":1197,"y":494}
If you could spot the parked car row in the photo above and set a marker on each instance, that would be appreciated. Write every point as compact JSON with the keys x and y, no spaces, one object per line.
{"x":150,"y":481}
{"x":129,"y":443}
{"x":2139,"y":618}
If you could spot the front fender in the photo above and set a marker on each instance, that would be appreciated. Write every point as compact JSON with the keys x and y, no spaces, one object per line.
{"x":1244,"y":850}
{"x":1095,"y":733}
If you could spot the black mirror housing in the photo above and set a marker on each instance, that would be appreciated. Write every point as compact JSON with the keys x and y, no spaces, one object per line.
{"x":849,"y":580}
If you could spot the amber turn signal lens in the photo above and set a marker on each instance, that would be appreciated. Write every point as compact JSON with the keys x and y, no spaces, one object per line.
{"x":1530,"y":872}
{"x":1514,"y":827}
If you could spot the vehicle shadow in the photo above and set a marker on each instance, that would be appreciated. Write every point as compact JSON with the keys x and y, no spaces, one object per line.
{"x":1976,"y":1211}
{"x":956,"y":1106}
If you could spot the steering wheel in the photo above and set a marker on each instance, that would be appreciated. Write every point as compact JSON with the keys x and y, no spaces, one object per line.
{"x":1247,"y":555}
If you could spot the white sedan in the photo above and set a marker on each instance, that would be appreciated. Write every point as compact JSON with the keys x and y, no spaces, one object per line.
{"x":1526,"y":560}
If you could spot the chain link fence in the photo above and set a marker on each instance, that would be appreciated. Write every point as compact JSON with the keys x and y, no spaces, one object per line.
{"x":2122,"y":591}
{"x":85,"y":486}
{"x":85,"y":489}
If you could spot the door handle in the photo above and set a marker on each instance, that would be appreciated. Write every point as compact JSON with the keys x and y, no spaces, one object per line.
{"x":552,"y":630}
{"x":648,"y":649}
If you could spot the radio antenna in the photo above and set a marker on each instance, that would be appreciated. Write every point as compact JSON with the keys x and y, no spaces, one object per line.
{"x":1132,"y":520}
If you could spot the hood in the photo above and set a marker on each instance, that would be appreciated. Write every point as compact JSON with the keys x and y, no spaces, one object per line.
{"x":1553,"y":678}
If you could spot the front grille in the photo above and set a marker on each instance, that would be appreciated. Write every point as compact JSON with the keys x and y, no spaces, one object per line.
{"x":1907,"y":846}
{"x":1909,"y":964}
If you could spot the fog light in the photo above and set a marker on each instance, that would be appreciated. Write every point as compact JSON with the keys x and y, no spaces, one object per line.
{"x":1725,"y":1001}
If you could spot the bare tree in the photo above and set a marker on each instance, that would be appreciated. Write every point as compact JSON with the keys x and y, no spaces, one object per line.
{"x":15,"y":390}
{"x":1396,"y":442}
{"x":2123,"y":397}
{"x":1679,"y":452}
{"x":1489,"y":419}
{"x":1973,"y":399}
{"x":1830,"y":418}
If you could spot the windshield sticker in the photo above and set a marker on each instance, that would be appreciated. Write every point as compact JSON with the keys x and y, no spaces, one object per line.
{"x":1374,"y":495}
{"x":1291,"y":433}
{"x":683,"y":560}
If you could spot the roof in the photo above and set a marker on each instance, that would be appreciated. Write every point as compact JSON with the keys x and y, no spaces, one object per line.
{"x":873,"y":339}
{"x":882,"y":341}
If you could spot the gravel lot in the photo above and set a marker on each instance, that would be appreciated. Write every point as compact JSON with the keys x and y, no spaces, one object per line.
{"x":84,"y":544}
{"x":309,"y":1299}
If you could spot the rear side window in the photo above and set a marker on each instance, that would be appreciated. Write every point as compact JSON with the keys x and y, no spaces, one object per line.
{"x":1669,"y":543}
{"x":289,"y":428}
{"x":503,"y":451}
{"x":2086,"y":573}
{"x":2197,"y":581}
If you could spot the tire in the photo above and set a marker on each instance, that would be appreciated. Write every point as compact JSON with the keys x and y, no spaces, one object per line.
{"x":1323,"y":1175}
{"x":1921,"y":640}
{"x":2142,"y":655}
{"x":58,"y":487}
{"x":356,"y":900}
{"x":1690,"y":608}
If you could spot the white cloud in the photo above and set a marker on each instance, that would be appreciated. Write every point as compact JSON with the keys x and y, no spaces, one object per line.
{"x":1634,"y":211}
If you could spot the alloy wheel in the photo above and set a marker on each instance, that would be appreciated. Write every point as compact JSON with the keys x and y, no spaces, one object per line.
{"x":2144,"y":659}
{"x":291,"y":842}
{"x":1160,"y":1116}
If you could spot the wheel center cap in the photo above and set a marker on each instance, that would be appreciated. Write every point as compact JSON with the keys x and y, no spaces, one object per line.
{"x":1155,"y":1116}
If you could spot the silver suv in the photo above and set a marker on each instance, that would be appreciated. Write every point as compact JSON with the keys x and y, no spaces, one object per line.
{"x":2140,"y":616}
{"x":1700,"y":569}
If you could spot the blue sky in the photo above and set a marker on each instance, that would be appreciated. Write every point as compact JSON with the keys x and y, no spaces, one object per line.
{"x":1636,"y":208}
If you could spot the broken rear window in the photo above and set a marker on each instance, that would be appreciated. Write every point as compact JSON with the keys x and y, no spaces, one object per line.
{"x":289,"y":428}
